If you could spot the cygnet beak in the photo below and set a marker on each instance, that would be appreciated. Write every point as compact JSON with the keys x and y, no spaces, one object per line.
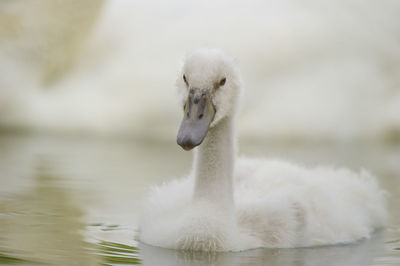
{"x":199,"y":113}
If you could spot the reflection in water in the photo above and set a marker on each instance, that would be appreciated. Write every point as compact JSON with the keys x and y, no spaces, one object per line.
{"x":44,"y":224}
{"x":67,"y":201}
{"x":116,"y":253}
{"x":358,"y":254}
{"x":46,"y":227}
{"x":7,"y":259}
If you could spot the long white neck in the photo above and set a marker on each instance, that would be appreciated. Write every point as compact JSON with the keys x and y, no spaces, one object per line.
{"x":213,"y":166}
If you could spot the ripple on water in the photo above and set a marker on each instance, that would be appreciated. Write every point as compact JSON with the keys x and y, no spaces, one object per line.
{"x":112,"y":253}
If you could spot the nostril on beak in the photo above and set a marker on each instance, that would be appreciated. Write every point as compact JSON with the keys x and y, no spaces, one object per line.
{"x":200,"y":116}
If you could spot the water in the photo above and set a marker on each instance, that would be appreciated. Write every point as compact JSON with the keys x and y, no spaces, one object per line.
{"x":74,"y":201}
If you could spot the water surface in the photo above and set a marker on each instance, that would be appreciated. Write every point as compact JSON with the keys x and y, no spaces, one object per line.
{"x":75,"y":201}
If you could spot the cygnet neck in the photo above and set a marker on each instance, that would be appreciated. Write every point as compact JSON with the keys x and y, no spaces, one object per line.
{"x":213,"y":166}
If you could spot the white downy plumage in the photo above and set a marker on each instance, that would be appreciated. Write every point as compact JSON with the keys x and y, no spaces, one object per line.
{"x":229,"y":203}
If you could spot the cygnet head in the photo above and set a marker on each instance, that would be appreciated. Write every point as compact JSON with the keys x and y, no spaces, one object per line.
{"x":210,"y":86}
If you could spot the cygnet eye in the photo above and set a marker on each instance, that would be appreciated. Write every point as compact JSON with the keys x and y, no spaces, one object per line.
{"x":222,"y":82}
{"x":184,"y":79}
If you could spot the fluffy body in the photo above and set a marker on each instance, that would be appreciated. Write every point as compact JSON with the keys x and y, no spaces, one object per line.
{"x":231,"y":204}
{"x":277,"y":204}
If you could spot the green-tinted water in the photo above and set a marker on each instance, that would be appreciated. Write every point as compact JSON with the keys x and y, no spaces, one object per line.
{"x":74,"y":201}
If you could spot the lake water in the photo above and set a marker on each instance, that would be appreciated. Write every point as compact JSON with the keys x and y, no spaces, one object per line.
{"x":74,"y":201}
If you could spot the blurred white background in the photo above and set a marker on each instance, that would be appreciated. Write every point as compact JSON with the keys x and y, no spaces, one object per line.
{"x":321,"y":87}
{"x":313,"y":70}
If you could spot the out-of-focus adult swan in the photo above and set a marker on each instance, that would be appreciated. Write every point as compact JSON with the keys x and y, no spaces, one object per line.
{"x":229,"y":203}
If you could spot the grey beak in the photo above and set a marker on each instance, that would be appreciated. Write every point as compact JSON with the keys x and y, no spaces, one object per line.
{"x":198,"y":115}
